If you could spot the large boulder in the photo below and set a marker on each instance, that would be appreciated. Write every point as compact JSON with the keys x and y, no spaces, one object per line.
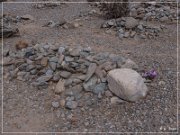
{"x":126,"y":84}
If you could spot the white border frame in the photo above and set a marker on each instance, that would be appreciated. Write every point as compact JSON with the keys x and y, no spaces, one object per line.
{"x":94,"y":132}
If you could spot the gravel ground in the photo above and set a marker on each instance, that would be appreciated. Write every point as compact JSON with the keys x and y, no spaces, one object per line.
{"x":28,"y":109}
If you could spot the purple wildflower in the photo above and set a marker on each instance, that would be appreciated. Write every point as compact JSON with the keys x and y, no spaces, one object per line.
{"x":150,"y":74}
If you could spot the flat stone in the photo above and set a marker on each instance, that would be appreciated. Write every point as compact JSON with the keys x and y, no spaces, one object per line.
{"x":91,"y":71}
{"x":53,"y":59}
{"x":164,"y":19}
{"x":69,"y":59}
{"x":127,"y":84}
{"x":44,"y":78}
{"x":131,"y":22}
{"x":59,"y":87}
{"x":75,"y":52}
{"x":65,"y":74}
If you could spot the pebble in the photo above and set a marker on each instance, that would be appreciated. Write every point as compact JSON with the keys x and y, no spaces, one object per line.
{"x":71,"y":104}
{"x":55,"y":104}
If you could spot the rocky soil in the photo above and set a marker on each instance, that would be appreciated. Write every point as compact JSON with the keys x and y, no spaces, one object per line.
{"x":57,"y":57}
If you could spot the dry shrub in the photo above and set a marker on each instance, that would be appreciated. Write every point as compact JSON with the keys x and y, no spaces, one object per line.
{"x":114,"y":9}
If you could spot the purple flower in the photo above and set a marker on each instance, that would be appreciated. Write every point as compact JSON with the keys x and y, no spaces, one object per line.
{"x":150,"y":74}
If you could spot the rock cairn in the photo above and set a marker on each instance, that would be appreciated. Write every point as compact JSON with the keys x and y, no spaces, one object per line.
{"x":140,"y":21}
{"x":43,"y":63}
{"x":129,"y":27}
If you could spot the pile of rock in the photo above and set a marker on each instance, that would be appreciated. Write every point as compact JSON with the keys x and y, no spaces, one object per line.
{"x":74,"y":70}
{"x":154,"y":11}
{"x":129,"y":27}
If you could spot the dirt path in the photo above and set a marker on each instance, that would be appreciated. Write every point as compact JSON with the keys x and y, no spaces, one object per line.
{"x":27,"y":109}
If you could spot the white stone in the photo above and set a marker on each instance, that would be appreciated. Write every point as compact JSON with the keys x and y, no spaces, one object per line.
{"x":127,"y":84}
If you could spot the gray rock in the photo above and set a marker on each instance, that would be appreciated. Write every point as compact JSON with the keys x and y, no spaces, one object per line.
{"x":40,"y":85}
{"x":75,"y":52}
{"x":49,"y":72}
{"x":91,"y":70}
{"x":100,"y":88}
{"x":61,"y":50}
{"x":65,"y":74}
{"x":33,"y":72}
{"x":53,"y":59}
{"x":55,"y":104}
{"x":140,"y":27}
{"x":73,"y":64}
{"x":111,"y":22}
{"x":53,"y":65}
{"x":131,"y":22}
{"x":69,"y":59}
{"x":121,"y":31}
{"x":44,"y":78}
{"x":68,"y":82}
{"x":164,"y":19}
{"x":56,"y":76}
{"x":90,"y":84}
{"x":30,"y":67}
{"x":133,"y":33}
{"x":126,"y":34}
{"x":71,"y":104}
{"x":127,"y":84}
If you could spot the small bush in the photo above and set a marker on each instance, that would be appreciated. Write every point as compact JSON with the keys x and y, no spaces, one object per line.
{"x":115,"y":10}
